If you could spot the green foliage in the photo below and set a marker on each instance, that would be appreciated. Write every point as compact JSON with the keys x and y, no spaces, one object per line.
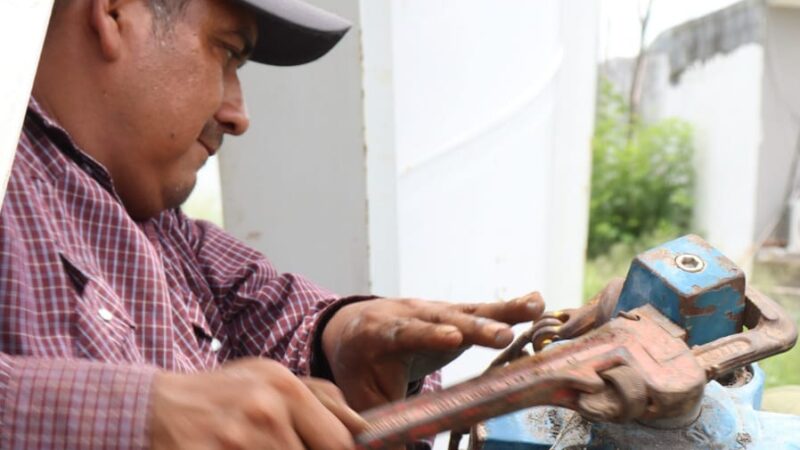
{"x":616,"y":261}
{"x":642,"y":176}
{"x":769,"y":278}
{"x":642,"y":181}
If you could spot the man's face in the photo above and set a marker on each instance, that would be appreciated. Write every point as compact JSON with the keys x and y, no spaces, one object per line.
{"x":175,"y":93}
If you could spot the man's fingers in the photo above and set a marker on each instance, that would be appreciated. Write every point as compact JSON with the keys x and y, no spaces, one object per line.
{"x":474,"y":328}
{"x":310,"y":417}
{"x":417,"y":335}
{"x":331,"y":397}
{"x":258,"y":439}
{"x":485,"y":324}
{"x":289,"y":440}
{"x":523,"y":309}
{"x":350,"y":419}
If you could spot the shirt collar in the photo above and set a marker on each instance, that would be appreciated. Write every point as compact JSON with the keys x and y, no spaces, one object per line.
{"x":63,"y":141}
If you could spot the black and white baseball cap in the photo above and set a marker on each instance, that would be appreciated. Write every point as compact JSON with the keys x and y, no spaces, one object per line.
{"x":293,"y":32}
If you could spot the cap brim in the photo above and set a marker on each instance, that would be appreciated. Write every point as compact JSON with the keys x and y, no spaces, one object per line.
{"x":292,"y":32}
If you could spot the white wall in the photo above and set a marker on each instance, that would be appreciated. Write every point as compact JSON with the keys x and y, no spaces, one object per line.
{"x":570,"y":172}
{"x":781,"y":115}
{"x":722,"y":99}
{"x":294,"y":186}
{"x":478,"y":126}
{"x":472,"y":180}
{"x":23,"y":24}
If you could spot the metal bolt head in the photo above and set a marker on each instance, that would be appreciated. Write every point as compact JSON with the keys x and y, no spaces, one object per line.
{"x":690,"y":263}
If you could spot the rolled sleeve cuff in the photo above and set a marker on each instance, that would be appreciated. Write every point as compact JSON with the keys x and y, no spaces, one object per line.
{"x":318,"y":363}
{"x":74,"y":404}
{"x":320,"y":368}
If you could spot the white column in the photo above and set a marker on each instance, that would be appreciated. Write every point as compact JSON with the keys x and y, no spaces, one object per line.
{"x":572,"y":159}
{"x":484,"y":127}
{"x":23,"y":24}
{"x":380,"y":143}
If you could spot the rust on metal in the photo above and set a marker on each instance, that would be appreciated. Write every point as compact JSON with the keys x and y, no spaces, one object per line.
{"x":556,"y":377}
{"x":624,"y":370}
{"x":770,"y":331}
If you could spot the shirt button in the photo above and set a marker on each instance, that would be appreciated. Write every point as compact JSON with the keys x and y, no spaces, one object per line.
{"x":216,"y":345}
{"x":105,"y":314}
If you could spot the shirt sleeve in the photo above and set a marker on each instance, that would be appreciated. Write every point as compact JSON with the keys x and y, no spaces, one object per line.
{"x":73,"y":404}
{"x":266,"y":313}
{"x":276,"y":315}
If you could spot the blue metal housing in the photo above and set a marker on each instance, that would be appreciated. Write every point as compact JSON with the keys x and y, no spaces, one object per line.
{"x":729,"y":419}
{"x":707,"y":300}
{"x":702,"y":291}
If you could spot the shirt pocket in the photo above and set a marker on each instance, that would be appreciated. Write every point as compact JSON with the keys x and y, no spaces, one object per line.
{"x":209,"y":344}
{"x":101,"y":327}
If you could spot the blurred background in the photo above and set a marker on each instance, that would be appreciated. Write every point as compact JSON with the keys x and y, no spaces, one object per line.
{"x":470,"y":150}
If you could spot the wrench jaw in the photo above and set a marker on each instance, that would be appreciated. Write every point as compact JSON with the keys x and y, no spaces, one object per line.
{"x":659,"y":377}
{"x":636,"y":367}
{"x":673,"y":389}
{"x":623,"y":399}
{"x":769,"y":331}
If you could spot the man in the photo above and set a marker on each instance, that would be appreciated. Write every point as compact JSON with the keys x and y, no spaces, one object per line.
{"x":125,"y":324}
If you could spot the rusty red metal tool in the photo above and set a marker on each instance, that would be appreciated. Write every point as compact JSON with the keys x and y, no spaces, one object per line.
{"x":636,"y":366}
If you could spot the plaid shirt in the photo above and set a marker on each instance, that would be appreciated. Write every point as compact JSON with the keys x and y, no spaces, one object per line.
{"x":93,"y":303}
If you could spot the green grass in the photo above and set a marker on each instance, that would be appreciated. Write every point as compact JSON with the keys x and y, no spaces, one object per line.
{"x":615,"y":263}
{"x":770,"y":278}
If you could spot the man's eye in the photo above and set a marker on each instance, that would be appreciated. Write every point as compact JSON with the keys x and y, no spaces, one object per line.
{"x":231,"y":53}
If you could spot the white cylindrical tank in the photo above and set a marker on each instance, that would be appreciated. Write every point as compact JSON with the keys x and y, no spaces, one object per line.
{"x":442,"y":152}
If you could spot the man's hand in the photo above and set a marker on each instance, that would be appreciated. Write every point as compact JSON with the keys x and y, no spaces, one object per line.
{"x":375,"y":348}
{"x":250,"y":404}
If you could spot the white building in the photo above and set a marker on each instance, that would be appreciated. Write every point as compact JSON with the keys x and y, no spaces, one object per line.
{"x":733,"y":75}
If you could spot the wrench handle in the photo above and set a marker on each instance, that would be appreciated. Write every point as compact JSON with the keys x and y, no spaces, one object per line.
{"x":549,"y":378}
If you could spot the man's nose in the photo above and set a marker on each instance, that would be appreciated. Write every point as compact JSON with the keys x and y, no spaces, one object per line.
{"x":232,"y":114}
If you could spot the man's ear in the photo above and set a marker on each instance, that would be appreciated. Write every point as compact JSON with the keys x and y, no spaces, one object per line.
{"x":105,"y":23}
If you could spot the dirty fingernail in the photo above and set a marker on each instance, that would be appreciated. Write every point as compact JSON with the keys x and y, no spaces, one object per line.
{"x":495,"y":327}
{"x":447,"y":329}
{"x":481,"y":321}
{"x":503,"y":336}
{"x":501,"y":332}
{"x":534,"y":307}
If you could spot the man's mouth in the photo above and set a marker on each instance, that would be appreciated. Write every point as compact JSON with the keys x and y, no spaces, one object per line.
{"x":211,"y":137}
{"x":210,"y":148}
